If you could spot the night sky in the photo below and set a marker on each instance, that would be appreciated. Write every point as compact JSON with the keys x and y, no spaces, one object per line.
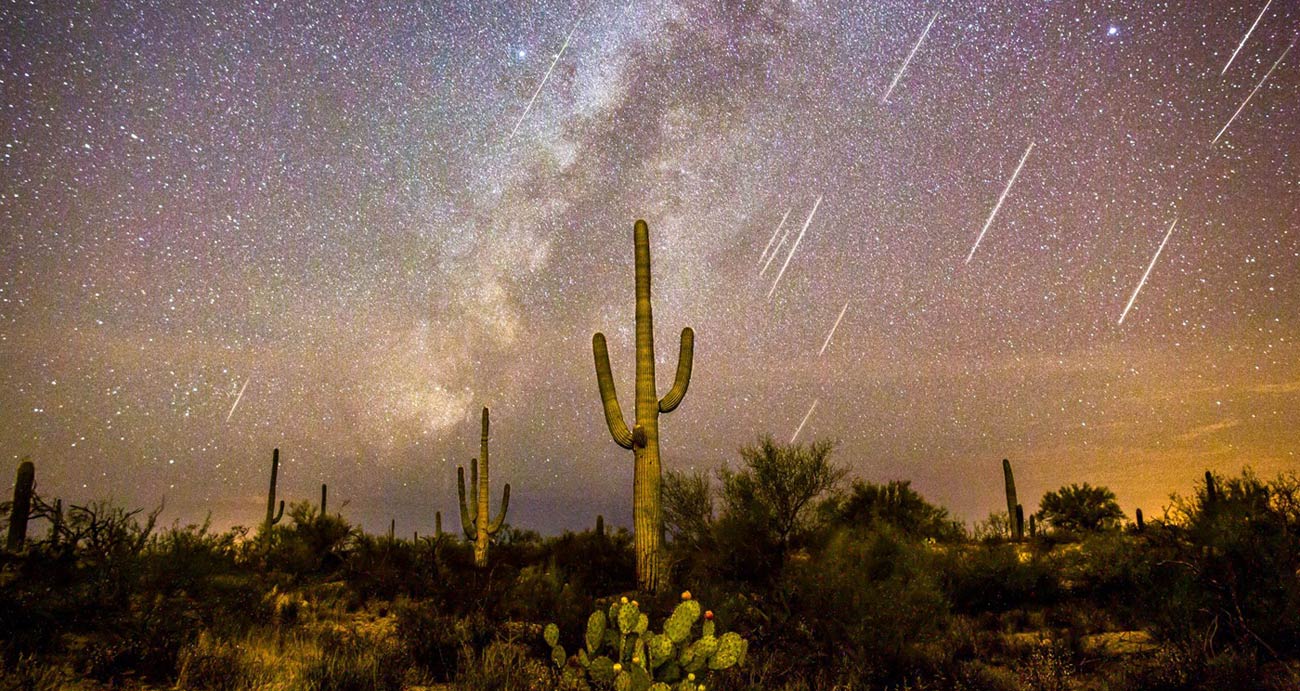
{"x":366,"y":221}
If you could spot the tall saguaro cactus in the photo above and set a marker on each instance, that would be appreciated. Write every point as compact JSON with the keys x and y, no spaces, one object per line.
{"x":22,"y":506}
{"x":476,"y":524}
{"x":272,"y":517}
{"x":1017,"y":528}
{"x":643,"y":438}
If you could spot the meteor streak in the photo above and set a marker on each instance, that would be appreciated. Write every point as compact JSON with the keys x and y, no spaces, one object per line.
{"x":1252,"y":94}
{"x":794,"y":247}
{"x":902,"y":69}
{"x":1148,"y":271}
{"x":833,"y":328}
{"x":780,"y":243}
{"x":543,"y":82}
{"x":238,"y":399}
{"x":1244,"y":38}
{"x":804,"y":422}
{"x":1001,"y":199}
{"x":774,"y":234}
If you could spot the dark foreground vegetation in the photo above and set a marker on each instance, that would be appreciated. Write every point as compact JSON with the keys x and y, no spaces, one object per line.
{"x":833,"y":583}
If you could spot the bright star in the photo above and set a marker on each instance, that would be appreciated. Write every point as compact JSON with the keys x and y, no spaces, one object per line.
{"x":1112,"y":31}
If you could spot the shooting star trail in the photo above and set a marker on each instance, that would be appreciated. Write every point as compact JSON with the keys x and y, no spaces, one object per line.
{"x":780,"y":243}
{"x":1252,"y":93}
{"x":804,"y":422}
{"x":774,"y":234}
{"x":1244,"y":38}
{"x":794,"y":247}
{"x":1150,"y":266}
{"x":545,"y":77}
{"x":238,"y":399}
{"x":903,"y":69}
{"x":833,"y":328}
{"x":1001,"y":199}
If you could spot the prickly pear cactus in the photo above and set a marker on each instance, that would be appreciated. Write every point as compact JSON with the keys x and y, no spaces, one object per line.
{"x":623,"y":651}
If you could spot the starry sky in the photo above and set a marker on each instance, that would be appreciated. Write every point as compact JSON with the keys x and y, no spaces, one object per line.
{"x":375,"y":220}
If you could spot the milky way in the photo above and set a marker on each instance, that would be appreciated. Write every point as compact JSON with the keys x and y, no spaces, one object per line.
{"x":323,"y":202}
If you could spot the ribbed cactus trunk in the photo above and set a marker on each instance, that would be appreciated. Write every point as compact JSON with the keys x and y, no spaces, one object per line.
{"x":271,"y":516}
{"x":643,"y":439}
{"x":1017,"y":527}
{"x":481,"y":534}
{"x":476,"y":524}
{"x":24,"y":481}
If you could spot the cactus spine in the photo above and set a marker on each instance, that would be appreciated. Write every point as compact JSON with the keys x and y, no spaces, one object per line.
{"x":271,"y":516}
{"x":476,"y":524}
{"x":643,"y":438}
{"x":1016,"y":528}
{"x":22,"y":506}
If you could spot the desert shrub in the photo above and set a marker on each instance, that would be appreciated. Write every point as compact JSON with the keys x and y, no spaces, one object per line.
{"x":212,"y":664}
{"x":1232,"y":575}
{"x":503,"y":666}
{"x":996,"y":578}
{"x":1048,"y":666}
{"x":310,"y":543}
{"x":895,"y":504}
{"x":1112,"y":571}
{"x":869,"y":604}
{"x":592,"y":563}
{"x":1080,"y":509}
{"x":434,"y":641}
{"x":352,"y":660}
{"x":29,"y":673}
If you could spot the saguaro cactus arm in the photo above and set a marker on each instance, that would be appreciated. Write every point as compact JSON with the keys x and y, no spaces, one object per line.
{"x":495,"y":525}
{"x":608,"y":395}
{"x":467,"y":511}
{"x":685,"y":355}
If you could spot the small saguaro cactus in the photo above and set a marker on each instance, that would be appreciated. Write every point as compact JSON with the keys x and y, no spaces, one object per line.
{"x":22,"y":506}
{"x":1141,"y":525}
{"x":392,"y":529}
{"x":324,"y":493}
{"x":475,"y":523}
{"x":1211,"y":491}
{"x":437,"y":525}
{"x":1033,"y":526}
{"x":1020,"y":522}
{"x":643,"y":438}
{"x":273,"y":517}
{"x":600,"y":525}
{"x":1010,"y":480}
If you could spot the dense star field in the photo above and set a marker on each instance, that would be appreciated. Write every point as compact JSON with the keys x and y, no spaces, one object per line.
{"x":342,"y":231}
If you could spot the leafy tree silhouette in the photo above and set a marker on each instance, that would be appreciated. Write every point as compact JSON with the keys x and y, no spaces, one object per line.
{"x":1080,"y":508}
